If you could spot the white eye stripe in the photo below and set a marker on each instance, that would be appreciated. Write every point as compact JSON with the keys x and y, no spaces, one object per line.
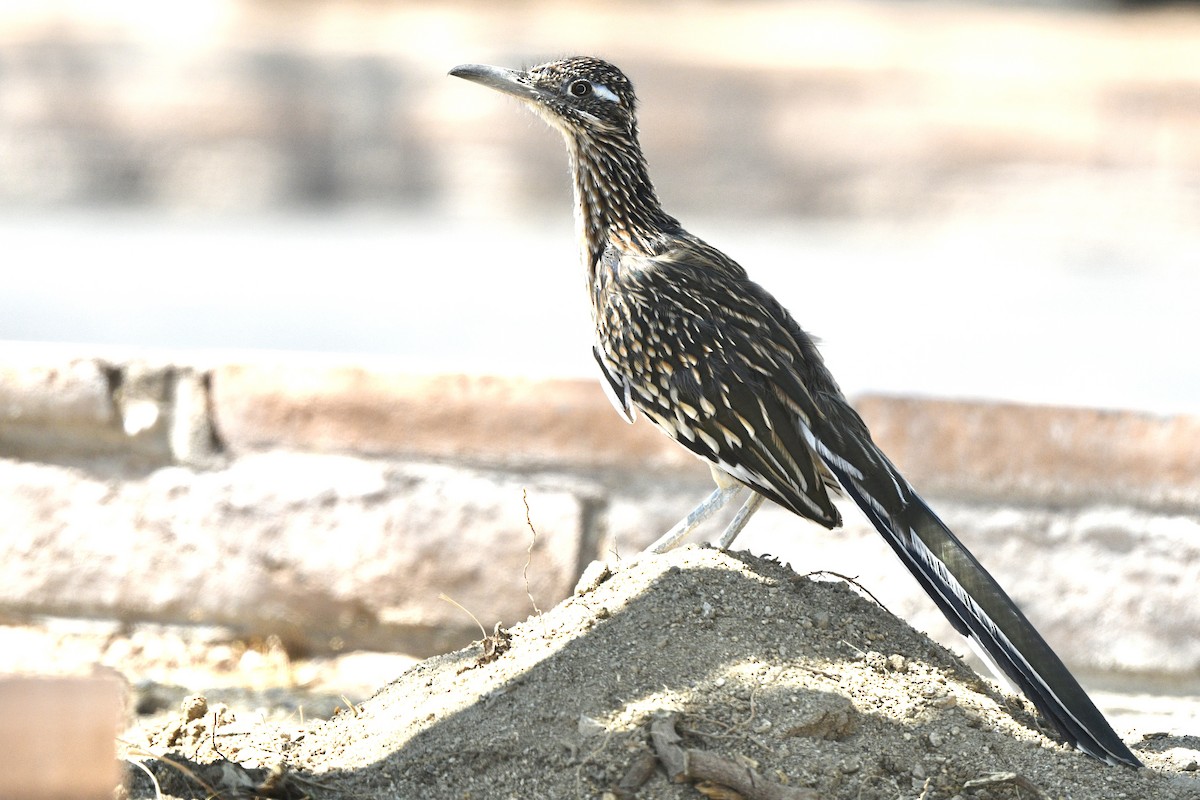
{"x":600,"y":90}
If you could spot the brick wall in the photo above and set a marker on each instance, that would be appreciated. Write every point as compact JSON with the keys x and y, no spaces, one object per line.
{"x":333,"y":504}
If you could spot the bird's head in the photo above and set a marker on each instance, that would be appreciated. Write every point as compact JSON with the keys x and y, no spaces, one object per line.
{"x":578,"y":95}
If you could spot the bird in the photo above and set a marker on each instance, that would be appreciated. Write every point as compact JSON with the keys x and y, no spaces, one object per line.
{"x":687,"y":339}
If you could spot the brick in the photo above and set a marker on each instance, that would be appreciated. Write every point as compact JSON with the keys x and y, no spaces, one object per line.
{"x":312,"y":547}
{"x":1101,"y":584}
{"x":1039,"y":454}
{"x":55,"y":408}
{"x":492,"y":420}
{"x":50,"y":404}
{"x":58,"y":737}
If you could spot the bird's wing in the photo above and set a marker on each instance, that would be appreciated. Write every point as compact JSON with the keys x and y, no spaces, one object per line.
{"x":698,"y":375}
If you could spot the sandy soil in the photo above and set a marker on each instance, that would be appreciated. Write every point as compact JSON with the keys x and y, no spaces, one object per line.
{"x":779,"y":685}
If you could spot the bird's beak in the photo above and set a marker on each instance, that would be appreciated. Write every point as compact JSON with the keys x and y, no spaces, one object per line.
{"x":509,"y":81}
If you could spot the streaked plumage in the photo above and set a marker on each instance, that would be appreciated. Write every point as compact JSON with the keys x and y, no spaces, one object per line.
{"x":687,"y":339}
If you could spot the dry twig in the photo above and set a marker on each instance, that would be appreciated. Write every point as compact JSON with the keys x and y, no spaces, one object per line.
{"x":529,"y":552}
{"x":686,"y":764}
{"x":1020,"y":781}
{"x":852,"y":581}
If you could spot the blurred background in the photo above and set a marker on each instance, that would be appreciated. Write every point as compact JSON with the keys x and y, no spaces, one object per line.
{"x":967,"y":200}
{"x":980,"y":202}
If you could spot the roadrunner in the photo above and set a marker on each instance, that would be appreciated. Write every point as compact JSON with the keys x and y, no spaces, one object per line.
{"x":713,"y":360}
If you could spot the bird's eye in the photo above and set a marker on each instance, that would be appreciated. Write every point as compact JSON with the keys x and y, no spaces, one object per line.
{"x":580,"y":88}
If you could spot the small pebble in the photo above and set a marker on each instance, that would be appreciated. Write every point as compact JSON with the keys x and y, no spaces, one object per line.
{"x":194,"y":707}
{"x":588,"y":727}
{"x":945,"y":701}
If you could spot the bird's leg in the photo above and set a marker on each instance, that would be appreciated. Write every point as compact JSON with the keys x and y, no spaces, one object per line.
{"x":714,"y":503}
{"x":728,"y":487}
{"x":743,"y":516}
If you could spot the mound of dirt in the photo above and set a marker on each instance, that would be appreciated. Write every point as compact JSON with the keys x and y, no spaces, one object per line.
{"x":697,"y":663}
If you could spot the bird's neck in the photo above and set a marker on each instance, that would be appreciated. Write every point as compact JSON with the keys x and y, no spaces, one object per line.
{"x":615,"y":202}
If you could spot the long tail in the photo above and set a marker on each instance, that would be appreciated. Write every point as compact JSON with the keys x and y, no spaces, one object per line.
{"x":966,"y":593}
